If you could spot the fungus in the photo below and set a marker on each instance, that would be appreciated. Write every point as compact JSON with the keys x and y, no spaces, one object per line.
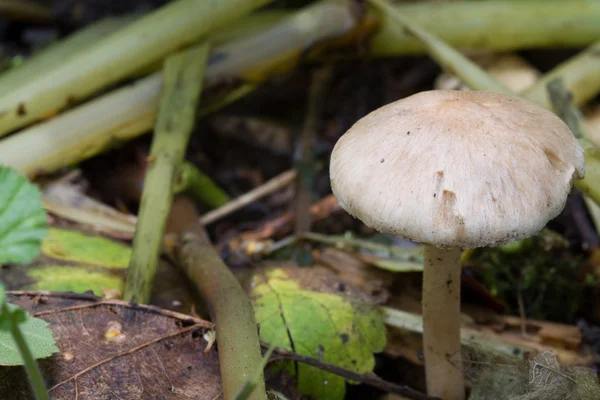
{"x":478,"y":169}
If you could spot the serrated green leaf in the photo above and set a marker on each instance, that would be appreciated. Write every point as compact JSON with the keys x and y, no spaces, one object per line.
{"x":327,"y":326}
{"x":22,"y":218}
{"x":37,"y":335}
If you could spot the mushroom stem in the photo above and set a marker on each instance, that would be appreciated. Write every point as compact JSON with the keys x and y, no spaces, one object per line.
{"x":441,"y":323}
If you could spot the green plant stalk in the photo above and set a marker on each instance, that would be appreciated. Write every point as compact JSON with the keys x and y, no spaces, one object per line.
{"x":86,"y":131}
{"x":497,"y":25}
{"x":183,"y":78}
{"x":56,"y":53}
{"x":202,"y":187}
{"x":237,"y":333}
{"x":469,"y":25}
{"x":231,"y":97}
{"x":257,"y":54}
{"x":128,"y":112}
{"x":438,"y":50}
{"x":250,"y":385}
{"x":580,"y":75}
{"x":114,"y":58}
{"x":31,"y":367}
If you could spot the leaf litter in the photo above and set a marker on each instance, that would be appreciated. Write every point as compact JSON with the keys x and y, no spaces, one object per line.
{"x":159,"y":354}
{"x":311,"y":312}
{"x":540,"y":378}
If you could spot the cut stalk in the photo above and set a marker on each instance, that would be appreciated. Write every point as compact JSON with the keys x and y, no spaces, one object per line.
{"x":128,"y":112}
{"x":184,"y":73}
{"x":497,"y":25}
{"x":139,"y":44}
{"x":203,"y":188}
{"x":439,"y":50}
{"x":580,"y":75}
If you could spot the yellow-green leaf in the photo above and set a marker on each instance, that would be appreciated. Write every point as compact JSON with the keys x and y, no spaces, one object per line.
{"x":309,"y":312}
{"x":78,"y":279}
{"x":76,"y":247}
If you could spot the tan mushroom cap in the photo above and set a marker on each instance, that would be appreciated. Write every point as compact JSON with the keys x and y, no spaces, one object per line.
{"x":456,"y":169}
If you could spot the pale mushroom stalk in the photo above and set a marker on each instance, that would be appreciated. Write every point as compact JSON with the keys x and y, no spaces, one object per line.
{"x":441,"y":323}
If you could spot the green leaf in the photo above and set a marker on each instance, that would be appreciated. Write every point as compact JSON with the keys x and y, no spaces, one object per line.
{"x":63,"y":244}
{"x":329,"y":326}
{"x":78,"y":279}
{"x":37,"y":335}
{"x":22,"y":218}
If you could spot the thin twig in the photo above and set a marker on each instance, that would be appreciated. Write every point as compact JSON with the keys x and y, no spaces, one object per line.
{"x":280,"y":181}
{"x":522,"y":315}
{"x":283,"y":224}
{"x":538,"y":364}
{"x":369,"y":379}
{"x":99,"y":301}
{"x":306,"y":163}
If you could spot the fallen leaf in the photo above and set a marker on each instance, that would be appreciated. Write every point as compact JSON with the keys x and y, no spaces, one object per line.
{"x":311,"y":312}
{"x":81,"y":261}
{"x":161,"y":356}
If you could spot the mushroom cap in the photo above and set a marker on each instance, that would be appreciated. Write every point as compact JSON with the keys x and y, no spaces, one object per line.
{"x":456,"y":169}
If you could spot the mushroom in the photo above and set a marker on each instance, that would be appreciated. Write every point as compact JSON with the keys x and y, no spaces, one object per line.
{"x":454,"y":170}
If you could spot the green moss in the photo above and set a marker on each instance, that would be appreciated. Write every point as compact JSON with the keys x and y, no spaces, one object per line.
{"x":549,"y":277}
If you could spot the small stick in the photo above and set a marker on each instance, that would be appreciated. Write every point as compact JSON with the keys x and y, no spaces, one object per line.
{"x":272,"y":185}
{"x":522,"y":314}
{"x":369,"y":379}
{"x":283,"y":224}
{"x":306,"y":163}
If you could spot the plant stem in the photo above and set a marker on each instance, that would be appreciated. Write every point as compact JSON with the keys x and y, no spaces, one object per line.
{"x":441,"y":323}
{"x":202,"y":187}
{"x":305,"y":160}
{"x":237,"y":333}
{"x":483,"y":25}
{"x":580,"y":75}
{"x":270,"y":186}
{"x":87,"y":130}
{"x":441,"y":52}
{"x":183,"y":78}
{"x":280,"y":46}
{"x":130,"y":111}
{"x":31,"y":367}
{"x":114,"y":58}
